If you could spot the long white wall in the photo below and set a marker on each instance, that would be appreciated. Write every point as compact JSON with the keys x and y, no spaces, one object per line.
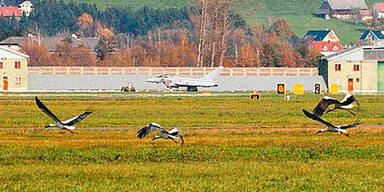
{"x":46,"y":82}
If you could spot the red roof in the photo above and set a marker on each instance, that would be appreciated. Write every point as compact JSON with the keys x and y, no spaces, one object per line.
{"x":365,"y":12}
{"x":379,"y":6}
{"x":321,"y":46}
{"x":11,"y":11}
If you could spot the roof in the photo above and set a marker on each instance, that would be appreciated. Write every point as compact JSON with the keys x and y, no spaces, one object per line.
{"x":317,"y":35}
{"x":11,"y":11}
{"x":355,"y":54}
{"x":321,"y":46}
{"x":379,"y":6}
{"x":26,"y":3}
{"x":11,"y":54}
{"x":347,"y":4}
{"x":377,"y":33}
{"x":51,"y":42}
{"x":365,"y":12}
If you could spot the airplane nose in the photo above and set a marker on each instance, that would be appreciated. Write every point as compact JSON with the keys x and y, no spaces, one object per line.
{"x":151,"y":80}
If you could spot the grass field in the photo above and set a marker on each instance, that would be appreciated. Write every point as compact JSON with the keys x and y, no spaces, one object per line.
{"x":272,"y":110}
{"x":297,"y":12}
{"x":274,"y":150}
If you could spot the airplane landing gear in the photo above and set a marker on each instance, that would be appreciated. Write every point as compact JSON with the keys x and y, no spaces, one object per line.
{"x":192,"y":89}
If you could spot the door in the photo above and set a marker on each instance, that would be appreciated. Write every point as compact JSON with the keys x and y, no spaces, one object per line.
{"x":380,"y":76}
{"x":350,"y":85}
{"x":5,"y":83}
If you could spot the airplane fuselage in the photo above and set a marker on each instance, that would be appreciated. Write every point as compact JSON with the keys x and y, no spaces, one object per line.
{"x":176,"y":82}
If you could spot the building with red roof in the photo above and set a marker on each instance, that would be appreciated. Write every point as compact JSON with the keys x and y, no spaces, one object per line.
{"x":10,"y":11}
{"x":378,"y":9}
{"x":324,"y":41}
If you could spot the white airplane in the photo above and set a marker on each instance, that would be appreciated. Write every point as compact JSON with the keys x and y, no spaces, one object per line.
{"x":210,"y":80}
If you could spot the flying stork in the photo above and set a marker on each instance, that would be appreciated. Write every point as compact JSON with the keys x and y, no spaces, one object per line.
{"x":331,"y":128}
{"x":173,"y":134}
{"x":345,"y":104}
{"x":65,"y":125}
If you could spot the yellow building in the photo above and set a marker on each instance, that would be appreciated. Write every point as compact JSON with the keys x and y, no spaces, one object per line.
{"x":359,"y":69}
{"x":13,"y":70}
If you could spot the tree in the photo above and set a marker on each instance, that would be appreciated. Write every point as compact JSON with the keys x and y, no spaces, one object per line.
{"x":106,"y":44}
{"x":86,"y":24}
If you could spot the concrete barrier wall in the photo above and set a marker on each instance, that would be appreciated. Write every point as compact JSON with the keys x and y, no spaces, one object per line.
{"x":182,"y":71}
{"x":49,"y":82}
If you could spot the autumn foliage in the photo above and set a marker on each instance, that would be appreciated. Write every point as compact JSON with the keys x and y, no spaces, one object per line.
{"x":272,"y":45}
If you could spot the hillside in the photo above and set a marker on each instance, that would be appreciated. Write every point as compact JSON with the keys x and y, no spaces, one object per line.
{"x":297,"y":12}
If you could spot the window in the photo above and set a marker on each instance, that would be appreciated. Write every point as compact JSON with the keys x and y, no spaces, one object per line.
{"x":335,"y":48}
{"x":1,"y":65}
{"x":18,"y":81}
{"x":325,"y":48}
{"x":17,"y":64}
{"x":337,"y":67}
{"x":356,"y":67}
{"x":357,"y":80}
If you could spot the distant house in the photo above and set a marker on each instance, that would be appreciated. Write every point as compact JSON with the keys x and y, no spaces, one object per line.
{"x":378,"y":10}
{"x":26,"y":8}
{"x":340,"y":9}
{"x":360,"y":69}
{"x":366,"y":15}
{"x":324,"y":41}
{"x":13,"y":70}
{"x":372,"y":37}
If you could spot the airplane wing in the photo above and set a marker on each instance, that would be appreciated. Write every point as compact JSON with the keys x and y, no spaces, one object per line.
{"x":213,"y":74}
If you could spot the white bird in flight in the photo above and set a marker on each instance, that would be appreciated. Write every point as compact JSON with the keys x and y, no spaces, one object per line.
{"x":331,"y":128}
{"x":65,"y":125}
{"x":173,"y":134}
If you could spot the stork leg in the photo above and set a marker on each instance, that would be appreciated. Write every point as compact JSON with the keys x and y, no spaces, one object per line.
{"x":70,"y":131}
{"x":352,"y":112}
{"x":174,"y":140}
{"x":345,"y":134}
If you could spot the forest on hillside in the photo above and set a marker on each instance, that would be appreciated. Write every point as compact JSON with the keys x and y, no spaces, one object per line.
{"x":209,"y":34}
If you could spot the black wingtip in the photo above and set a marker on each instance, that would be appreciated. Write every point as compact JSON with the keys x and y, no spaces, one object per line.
{"x":141,"y":133}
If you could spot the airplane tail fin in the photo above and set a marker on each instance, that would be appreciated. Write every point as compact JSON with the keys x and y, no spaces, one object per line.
{"x":214,"y":74}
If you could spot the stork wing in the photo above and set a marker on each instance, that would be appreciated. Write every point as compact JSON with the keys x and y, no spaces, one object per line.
{"x":175,"y":132}
{"x":76,"y":119}
{"x":349,"y":126}
{"x":141,"y":133}
{"x":46,"y":110}
{"x":348,"y":99}
{"x":323,"y":105}
{"x":316,"y":118}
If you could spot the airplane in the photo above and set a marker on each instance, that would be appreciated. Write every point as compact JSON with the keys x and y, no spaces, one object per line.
{"x":191,"y":83}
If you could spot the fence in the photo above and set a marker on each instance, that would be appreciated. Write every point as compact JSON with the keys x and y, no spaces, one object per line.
{"x":183,"y":71}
